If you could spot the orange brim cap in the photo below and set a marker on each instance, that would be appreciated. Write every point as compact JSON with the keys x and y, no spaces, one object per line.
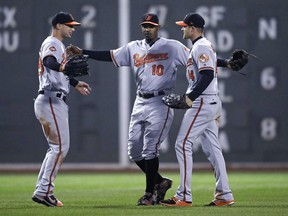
{"x":181,"y":23}
{"x":147,"y":22}
{"x":73,"y":23}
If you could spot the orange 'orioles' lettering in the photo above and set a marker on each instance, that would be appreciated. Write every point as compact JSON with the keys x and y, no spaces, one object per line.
{"x":141,"y":60}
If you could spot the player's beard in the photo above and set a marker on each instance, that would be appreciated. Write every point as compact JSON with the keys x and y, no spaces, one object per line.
{"x":148,"y":37}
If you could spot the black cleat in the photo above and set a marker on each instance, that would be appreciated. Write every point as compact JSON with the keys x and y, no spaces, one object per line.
{"x":147,"y":199}
{"x":162,"y":188}
{"x":49,"y":201}
{"x":221,"y":203}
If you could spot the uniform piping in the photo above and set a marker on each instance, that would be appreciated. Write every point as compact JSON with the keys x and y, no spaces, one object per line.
{"x":183,"y":147}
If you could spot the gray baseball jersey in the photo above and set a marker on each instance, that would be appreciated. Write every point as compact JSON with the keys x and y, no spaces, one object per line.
{"x":154,"y":69}
{"x":48,"y":79}
{"x":201,"y":122}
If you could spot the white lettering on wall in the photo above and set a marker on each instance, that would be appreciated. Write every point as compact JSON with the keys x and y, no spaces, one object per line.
{"x":213,"y":15}
{"x":222,"y":40}
{"x":88,"y":23}
{"x":9,"y":17}
{"x":9,"y":39}
{"x":267,"y":28}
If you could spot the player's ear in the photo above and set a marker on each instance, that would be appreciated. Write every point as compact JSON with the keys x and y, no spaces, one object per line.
{"x":58,"y":26}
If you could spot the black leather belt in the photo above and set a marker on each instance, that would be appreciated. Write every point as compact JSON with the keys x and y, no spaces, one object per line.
{"x":150,"y":95}
{"x":57,"y":94}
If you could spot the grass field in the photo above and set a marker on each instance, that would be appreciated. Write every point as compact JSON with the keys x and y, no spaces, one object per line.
{"x":112,"y":194}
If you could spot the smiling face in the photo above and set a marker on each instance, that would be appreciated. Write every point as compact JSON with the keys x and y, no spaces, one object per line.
{"x":67,"y":30}
{"x":62,"y":31}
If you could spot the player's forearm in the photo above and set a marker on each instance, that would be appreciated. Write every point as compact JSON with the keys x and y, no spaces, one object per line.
{"x":98,"y":55}
{"x":205,"y":79}
{"x":222,"y":63}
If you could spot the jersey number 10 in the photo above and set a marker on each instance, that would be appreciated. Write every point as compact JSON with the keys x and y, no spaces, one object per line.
{"x":157,"y":70}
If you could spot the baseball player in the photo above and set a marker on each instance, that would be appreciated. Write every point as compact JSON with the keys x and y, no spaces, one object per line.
{"x":154,"y":62}
{"x":201,"y":121}
{"x":50,"y":107}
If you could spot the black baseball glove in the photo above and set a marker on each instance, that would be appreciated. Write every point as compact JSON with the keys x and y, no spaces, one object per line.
{"x":238,"y":59}
{"x":175,"y":101}
{"x":76,"y":65}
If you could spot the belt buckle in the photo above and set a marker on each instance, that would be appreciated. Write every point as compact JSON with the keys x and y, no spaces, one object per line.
{"x":150,"y":95}
{"x":61,"y":95}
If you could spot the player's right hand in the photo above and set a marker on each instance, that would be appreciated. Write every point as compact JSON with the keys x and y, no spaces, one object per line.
{"x":73,"y":50}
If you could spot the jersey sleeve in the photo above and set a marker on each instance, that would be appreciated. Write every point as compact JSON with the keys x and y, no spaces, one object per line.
{"x":203,"y":57}
{"x":182,"y":53}
{"x":51,"y":49}
{"x":121,"y":56}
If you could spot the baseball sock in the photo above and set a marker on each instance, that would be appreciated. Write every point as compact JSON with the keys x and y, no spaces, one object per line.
{"x":141,"y":165}
{"x":151,"y":168}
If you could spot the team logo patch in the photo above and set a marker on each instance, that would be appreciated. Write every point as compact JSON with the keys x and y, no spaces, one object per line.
{"x":148,"y":17}
{"x":203,"y":58}
{"x":52,"y":48}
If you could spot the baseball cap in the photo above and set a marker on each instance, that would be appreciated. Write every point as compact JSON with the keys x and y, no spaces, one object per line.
{"x":64,"y":18}
{"x":150,"y":19}
{"x":192,"y":19}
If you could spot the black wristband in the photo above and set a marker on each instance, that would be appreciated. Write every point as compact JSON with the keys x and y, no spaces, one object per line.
{"x":73,"y":82}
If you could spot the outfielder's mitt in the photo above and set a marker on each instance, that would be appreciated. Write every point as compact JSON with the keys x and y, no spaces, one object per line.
{"x":76,"y":65}
{"x":238,"y":60}
{"x":175,"y":101}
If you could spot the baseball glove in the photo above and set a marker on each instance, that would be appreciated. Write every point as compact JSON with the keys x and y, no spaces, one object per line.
{"x":76,"y":65}
{"x":175,"y":101}
{"x":238,"y":59}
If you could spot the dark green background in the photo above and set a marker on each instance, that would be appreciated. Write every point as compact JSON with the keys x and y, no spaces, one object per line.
{"x":94,"y":119}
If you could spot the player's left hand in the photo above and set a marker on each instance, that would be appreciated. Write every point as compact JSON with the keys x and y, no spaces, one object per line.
{"x":176,"y":101}
{"x":83,"y":88}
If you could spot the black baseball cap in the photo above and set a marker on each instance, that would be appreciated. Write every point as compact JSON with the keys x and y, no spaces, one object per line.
{"x":192,"y":19}
{"x":64,"y":18}
{"x":150,"y":18}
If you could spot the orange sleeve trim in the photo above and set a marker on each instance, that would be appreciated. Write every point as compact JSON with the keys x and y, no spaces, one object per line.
{"x":206,"y":68}
{"x":113,"y":58}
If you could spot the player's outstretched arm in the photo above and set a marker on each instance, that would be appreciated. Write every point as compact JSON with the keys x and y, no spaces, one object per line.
{"x":96,"y":55}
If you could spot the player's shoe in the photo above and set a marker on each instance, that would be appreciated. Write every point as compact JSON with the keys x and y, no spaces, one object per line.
{"x":218,"y":202}
{"x":147,"y":199}
{"x":49,"y":201}
{"x":161,"y":189}
{"x":175,"y":202}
